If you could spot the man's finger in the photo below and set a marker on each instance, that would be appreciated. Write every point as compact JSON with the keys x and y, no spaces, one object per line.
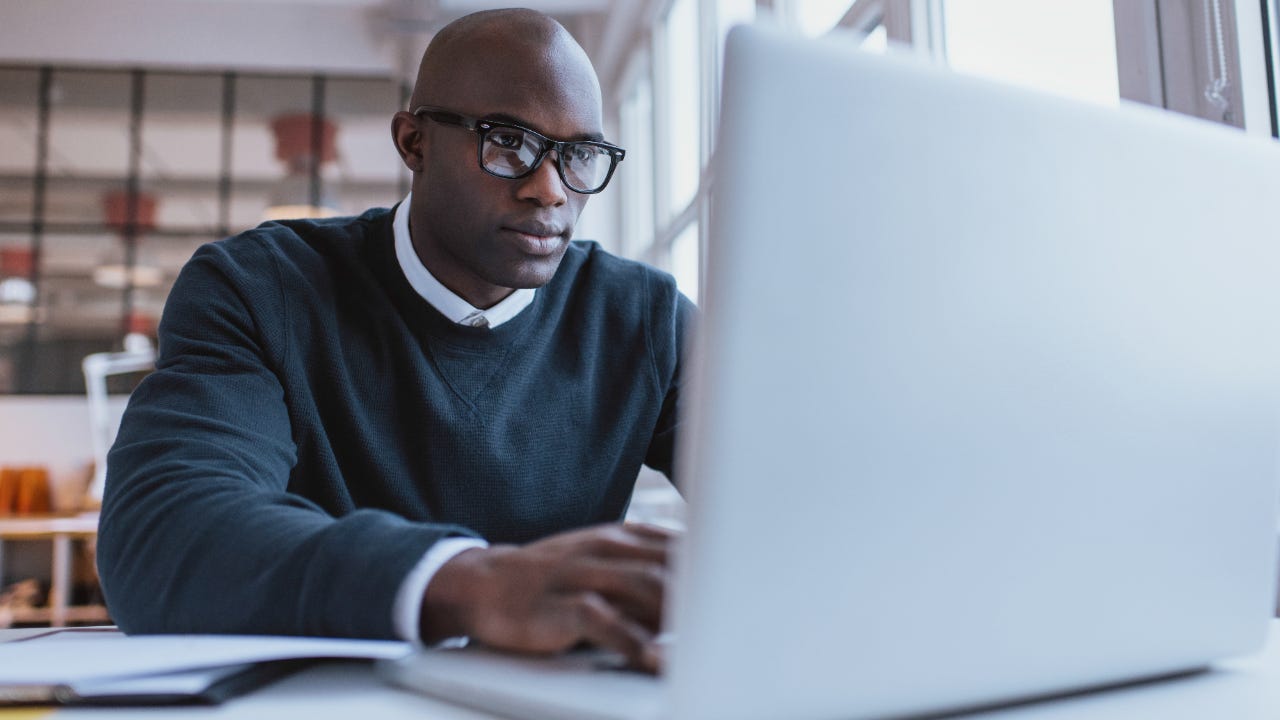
{"x":649,"y":530}
{"x":636,"y":587}
{"x":636,"y":579}
{"x":618,"y":541}
{"x":605,"y":626}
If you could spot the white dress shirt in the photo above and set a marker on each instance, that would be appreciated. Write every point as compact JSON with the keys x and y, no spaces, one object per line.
{"x":408,"y":602}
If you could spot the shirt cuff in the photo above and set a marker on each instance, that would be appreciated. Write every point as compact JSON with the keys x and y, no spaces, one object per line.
{"x":407,"y":609}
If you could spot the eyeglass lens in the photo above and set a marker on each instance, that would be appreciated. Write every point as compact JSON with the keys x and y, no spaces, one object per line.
{"x":511,"y":152}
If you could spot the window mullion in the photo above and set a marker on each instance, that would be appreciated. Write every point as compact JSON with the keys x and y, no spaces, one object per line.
{"x":927,"y":29}
{"x":1141,"y":78}
{"x":1255,"y":94}
{"x":897,"y":21}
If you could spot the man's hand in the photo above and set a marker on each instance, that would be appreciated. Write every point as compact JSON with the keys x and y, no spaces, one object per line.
{"x":604,"y":585}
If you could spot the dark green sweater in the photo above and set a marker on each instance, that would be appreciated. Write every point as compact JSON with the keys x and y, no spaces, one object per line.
{"x":314,"y":425}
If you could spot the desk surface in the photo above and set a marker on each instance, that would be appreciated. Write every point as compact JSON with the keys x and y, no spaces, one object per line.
{"x":1242,"y":689}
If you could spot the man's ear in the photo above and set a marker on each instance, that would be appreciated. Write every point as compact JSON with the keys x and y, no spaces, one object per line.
{"x":408,"y":138}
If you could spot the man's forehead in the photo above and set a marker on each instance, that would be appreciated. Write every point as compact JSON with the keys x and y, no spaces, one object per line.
{"x":585,"y":131}
{"x":557,"y":102}
{"x":515,"y":63}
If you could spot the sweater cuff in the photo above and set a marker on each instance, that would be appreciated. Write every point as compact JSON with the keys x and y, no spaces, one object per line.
{"x":407,"y":609}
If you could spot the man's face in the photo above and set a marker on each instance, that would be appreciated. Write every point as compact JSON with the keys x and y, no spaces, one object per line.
{"x":483,"y":235}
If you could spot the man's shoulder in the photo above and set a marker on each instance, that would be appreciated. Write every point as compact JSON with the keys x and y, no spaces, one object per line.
{"x":616,"y":292}
{"x":291,"y":254}
{"x":590,"y":264}
{"x":293,"y":247}
{"x":303,"y":237}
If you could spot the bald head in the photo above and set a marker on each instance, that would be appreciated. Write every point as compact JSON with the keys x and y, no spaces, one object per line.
{"x":479,"y":232}
{"x":487,"y":56}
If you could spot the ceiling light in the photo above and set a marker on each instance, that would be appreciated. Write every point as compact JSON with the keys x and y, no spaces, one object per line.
{"x":17,"y":291}
{"x":118,"y":277}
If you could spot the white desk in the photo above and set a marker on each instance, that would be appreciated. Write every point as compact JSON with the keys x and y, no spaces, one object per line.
{"x":1245,"y":689}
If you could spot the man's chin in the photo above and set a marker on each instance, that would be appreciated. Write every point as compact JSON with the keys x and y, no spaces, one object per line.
{"x":536,"y":270}
{"x":533,"y":272}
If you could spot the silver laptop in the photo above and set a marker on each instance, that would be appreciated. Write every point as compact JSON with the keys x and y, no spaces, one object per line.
{"x":988,"y":387}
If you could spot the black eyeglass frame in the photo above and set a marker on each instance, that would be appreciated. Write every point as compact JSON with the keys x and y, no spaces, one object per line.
{"x":481,"y":127}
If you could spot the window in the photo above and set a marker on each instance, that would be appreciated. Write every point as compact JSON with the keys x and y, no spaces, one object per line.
{"x":815,"y":17}
{"x":684,"y":260}
{"x":635,"y":174}
{"x":728,"y":14}
{"x":1067,"y":46}
{"x":877,"y":40}
{"x":1155,"y":51}
{"x":680,"y":105}
{"x":733,"y":12}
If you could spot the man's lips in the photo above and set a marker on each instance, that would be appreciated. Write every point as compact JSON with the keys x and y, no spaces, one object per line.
{"x":536,"y":229}
{"x":537,"y":239}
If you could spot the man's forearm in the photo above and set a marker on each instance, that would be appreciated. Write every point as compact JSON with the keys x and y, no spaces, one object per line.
{"x":451,"y":599}
{"x":410,"y":604}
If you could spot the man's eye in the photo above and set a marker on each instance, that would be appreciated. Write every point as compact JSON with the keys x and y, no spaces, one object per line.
{"x":507,"y":141}
{"x":582,"y":153}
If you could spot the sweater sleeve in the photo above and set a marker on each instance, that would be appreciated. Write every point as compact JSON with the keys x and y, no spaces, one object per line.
{"x":199,"y":532}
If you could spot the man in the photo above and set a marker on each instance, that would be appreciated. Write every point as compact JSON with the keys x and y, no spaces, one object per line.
{"x":423,"y":422}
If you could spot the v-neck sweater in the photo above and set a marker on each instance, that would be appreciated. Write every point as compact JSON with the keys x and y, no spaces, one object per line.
{"x":314,"y":425}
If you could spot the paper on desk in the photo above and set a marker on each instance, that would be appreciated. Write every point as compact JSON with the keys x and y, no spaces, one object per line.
{"x":64,"y":660}
{"x":184,"y":683}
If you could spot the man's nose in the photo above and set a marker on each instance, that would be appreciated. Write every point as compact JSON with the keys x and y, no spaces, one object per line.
{"x":543,"y":186}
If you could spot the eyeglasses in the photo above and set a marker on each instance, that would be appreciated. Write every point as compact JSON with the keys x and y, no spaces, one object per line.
{"x":510,"y":151}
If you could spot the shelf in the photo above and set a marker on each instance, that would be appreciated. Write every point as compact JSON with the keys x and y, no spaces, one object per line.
{"x":60,"y":530}
{"x":42,"y":527}
{"x":17,"y":183}
{"x":72,"y":614}
{"x":74,"y":228}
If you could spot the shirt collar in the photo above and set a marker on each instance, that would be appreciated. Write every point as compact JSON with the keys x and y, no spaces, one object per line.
{"x":442,"y":298}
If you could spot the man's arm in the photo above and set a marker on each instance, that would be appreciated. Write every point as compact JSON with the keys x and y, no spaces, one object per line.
{"x":198,"y":530}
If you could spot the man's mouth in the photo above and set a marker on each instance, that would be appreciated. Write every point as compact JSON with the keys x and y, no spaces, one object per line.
{"x":537,"y":239}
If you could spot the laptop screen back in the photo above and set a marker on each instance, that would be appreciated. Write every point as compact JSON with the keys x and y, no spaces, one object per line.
{"x":987,"y":392}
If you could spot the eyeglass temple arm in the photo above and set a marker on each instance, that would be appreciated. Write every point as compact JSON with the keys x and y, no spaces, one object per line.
{"x":449,"y":118}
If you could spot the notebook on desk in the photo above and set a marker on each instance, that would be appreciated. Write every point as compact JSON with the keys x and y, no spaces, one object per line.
{"x":985,"y":405}
{"x":102,"y":666}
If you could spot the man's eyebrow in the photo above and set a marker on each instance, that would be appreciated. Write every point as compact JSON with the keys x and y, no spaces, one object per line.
{"x":504,"y":117}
